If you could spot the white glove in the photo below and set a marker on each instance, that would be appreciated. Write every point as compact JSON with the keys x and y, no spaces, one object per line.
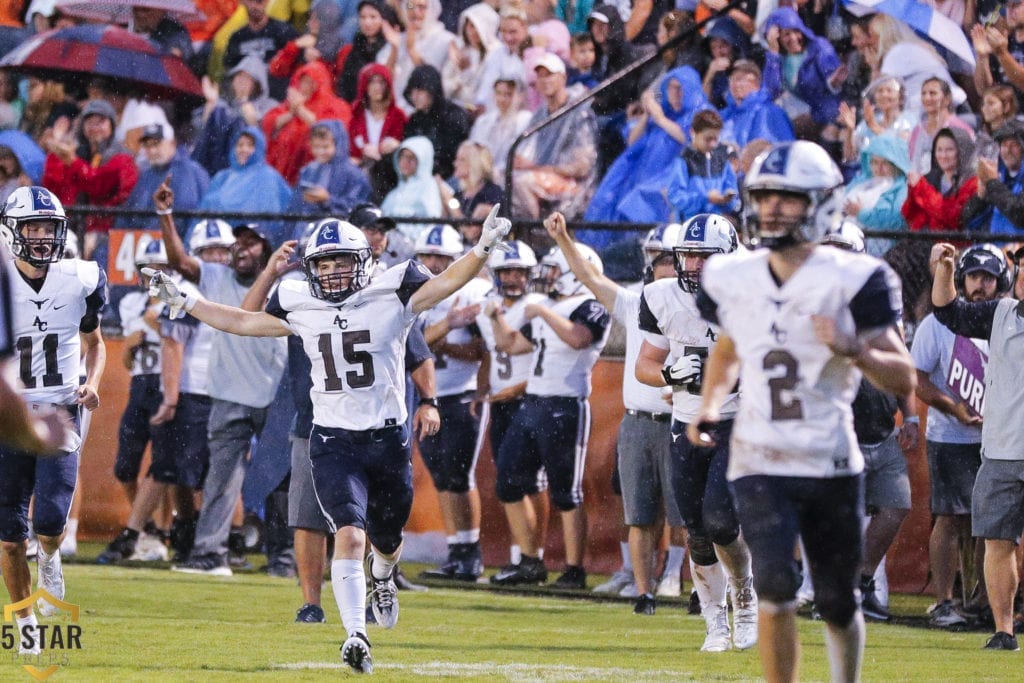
{"x":684,"y":371}
{"x":494,"y":231}
{"x":164,"y":288}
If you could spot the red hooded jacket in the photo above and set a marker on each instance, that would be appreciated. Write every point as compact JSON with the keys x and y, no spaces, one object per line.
{"x":394,"y":120}
{"x":288,"y":143}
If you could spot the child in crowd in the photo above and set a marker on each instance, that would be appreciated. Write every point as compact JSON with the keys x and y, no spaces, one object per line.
{"x":582,"y":57}
{"x":703,"y":180}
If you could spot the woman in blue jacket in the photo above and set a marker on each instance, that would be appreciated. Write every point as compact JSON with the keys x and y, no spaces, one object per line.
{"x":804,"y":74}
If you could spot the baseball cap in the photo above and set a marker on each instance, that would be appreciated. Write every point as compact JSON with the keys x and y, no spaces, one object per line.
{"x":157,"y":131}
{"x":370,"y":216}
{"x":101,"y":108}
{"x":551,"y":62}
{"x":255,"y":229}
{"x":598,"y":15}
{"x":983,"y":258}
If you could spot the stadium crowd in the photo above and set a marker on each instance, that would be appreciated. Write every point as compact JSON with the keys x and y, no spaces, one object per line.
{"x":349,"y":118}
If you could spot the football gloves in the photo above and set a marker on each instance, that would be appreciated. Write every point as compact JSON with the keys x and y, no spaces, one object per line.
{"x":165,"y":289}
{"x":685,"y":370}
{"x":495,"y":229}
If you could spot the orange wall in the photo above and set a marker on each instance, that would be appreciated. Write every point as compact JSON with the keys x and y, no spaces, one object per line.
{"x":104,"y":507}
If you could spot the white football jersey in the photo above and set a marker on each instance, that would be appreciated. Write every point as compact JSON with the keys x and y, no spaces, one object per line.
{"x":47,"y":324}
{"x":795,"y":417}
{"x":356,"y":347}
{"x":146,"y":360}
{"x":506,"y":370}
{"x":668,"y":319}
{"x":557,"y":368}
{"x":456,"y":376}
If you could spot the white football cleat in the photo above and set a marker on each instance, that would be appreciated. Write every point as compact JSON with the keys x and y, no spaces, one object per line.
{"x":719,"y":638}
{"x":50,"y":579}
{"x":744,"y":615}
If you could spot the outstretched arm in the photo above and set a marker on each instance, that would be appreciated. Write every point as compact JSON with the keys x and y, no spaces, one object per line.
{"x":225,"y":318}
{"x":604,"y":288}
{"x":466,"y":268}
{"x":177,"y":256}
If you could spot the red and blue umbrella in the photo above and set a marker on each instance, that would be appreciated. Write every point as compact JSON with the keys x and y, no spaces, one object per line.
{"x":72,"y":55}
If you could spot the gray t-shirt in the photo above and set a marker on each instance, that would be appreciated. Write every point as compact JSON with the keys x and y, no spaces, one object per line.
{"x":243,"y":370}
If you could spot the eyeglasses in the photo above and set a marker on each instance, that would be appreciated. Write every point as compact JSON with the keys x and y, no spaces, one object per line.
{"x":421,"y":6}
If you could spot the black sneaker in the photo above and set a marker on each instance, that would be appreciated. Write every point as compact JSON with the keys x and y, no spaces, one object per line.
{"x":573,"y":578}
{"x":445,"y":571}
{"x":121,"y":548}
{"x":693,"y":607}
{"x":530,"y":570}
{"x":310,"y":614}
{"x":1002,"y":641}
{"x":355,"y":652}
{"x":469,"y":564}
{"x":404,"y":584}
{"x":869,"y":604}
{"x":210,"y":564}
{"x":644,"y":604}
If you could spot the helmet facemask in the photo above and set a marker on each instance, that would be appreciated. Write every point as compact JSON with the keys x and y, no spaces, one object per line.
{"x":689,"y":279}
{"x":512,"y":289}
{"x":343,"y":280}
{"x":37,"y":250}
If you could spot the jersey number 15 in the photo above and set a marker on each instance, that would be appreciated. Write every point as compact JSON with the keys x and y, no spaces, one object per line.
{"x":356,"y":379}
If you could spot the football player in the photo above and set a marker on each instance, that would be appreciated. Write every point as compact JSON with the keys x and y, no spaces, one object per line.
{"x":511,"y":269}
{"x":56,"y":313}
{"x":671,"y":324}
{"x":450,"y":454}
{"x":799,"y":325}
{"x":354,"y":333}
{"x":564,"y":337}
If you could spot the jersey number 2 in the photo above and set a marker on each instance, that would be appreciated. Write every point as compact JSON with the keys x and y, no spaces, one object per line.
{"x":356,"y":379}
{"x":783,"y":408}
{"x":52,"y":377}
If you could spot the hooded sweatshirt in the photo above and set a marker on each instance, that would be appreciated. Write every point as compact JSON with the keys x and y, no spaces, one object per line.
{"x":460,"y":85}
{"x":288,"y":135}
{"x":344,"y":182}
{"x":212,"y":147}
{"x":613,"y":56}
{"x":250,"y":187}
{"x":632,"y":189}
{"x":881,"y":199}
{"x":725,"y":29}
{"x":362,"y":51}
{"x":445,"y":124}
{"x":432,"y":43}
{"x":927,"y":206}
{"x":394,"y":120}
{"x":819,"y":63}
{"x":418,"y":195}
{"x":189,"y":181}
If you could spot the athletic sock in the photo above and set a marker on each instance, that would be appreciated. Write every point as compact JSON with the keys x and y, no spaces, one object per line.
{"x":349,"y":584}
{"x":627,"y":559}
{"x":710,"y":582}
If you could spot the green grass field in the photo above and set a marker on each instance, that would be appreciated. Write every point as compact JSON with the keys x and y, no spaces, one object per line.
{"x":155,"y":625}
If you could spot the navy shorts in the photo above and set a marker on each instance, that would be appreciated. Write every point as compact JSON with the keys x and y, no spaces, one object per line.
{"x":548,"y":432}
{"x":500,"y":416}
{"x":144,"y":398}
{"x":51,"y":480}
{"x":364,"y":479}
{"x":181,"y":449}
{"x":827,"y":514}
{"x":450,"y":455}
{"x":702,"y":492}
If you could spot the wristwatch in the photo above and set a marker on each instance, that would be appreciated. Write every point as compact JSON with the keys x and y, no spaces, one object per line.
{"x":432,"y":401}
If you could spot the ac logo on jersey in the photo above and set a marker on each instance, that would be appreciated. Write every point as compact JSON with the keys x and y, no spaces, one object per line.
{"x":342,"y":323}
{"x":41,"y":324}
